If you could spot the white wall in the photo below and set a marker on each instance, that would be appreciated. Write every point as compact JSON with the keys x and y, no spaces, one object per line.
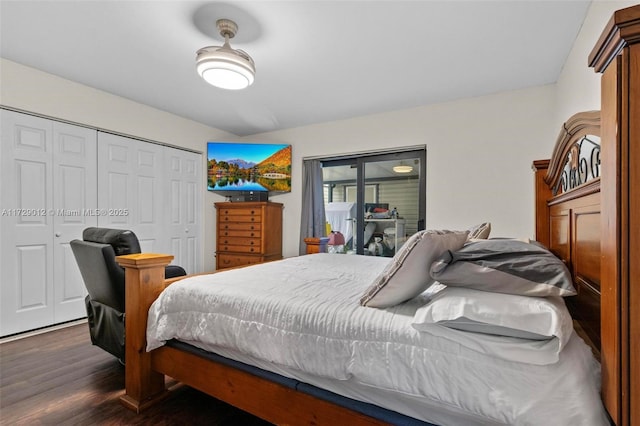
{"x":479,"y":155}
{"x":578,"y":88}
{"x":34,"y":91}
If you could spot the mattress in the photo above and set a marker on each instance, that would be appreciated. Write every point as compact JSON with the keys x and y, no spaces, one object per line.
{"x":300,"y":317}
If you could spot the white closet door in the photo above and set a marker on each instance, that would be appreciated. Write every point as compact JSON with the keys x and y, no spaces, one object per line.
{"x":75,"y":202}
{"x":26,"y":231}
{"x":48,"y":186}
{"x":130,"y":188}
{"x":183,"y":206}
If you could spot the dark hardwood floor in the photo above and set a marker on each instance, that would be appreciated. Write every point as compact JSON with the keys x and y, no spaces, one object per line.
{"x":59,"y":378}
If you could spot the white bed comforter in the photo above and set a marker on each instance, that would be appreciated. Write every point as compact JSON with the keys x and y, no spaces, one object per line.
{"x":303,"y":314}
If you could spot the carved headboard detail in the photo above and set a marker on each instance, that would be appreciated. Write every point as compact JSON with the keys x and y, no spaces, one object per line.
{"x":568,"y":215}
{"x":576,"y":156}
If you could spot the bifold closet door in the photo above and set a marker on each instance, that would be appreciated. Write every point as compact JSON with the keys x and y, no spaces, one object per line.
{"x":156,"y":192}
{"x":58,"y":179}
{"x":47,"y":189}
{"x":130,"y":188}
{"x":75,"y":200}
{"x":183,"y":204}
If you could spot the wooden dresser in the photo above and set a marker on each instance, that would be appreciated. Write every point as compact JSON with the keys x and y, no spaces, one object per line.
{"x":247,"y":233}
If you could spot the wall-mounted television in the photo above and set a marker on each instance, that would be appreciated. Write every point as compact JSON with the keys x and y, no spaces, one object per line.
{"x":237,"y":167}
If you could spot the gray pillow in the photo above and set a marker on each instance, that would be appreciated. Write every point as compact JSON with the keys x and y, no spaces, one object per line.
{"x":480,"y":232}
{"x":466,"y":324}
{"x":504,"y":266}
{"x":407,"y":275}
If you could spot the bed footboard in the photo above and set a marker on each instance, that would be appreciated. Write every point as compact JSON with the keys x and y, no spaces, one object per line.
{"x":145,"y":371}
{"x":144,"y":277}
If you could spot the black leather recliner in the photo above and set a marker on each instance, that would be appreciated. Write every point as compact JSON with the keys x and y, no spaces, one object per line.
{"x":104,"y":279}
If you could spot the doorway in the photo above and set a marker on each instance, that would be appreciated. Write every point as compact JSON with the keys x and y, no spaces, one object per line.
{"x":376,"y":200}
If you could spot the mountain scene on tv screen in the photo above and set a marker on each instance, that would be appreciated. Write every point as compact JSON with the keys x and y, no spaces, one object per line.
{"x":271,"y":174}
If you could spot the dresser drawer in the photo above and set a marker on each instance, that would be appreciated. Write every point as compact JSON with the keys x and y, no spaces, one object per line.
{"x":232,"y":260}
{"x":224,"y":242}
{"x":240,"y":226}
{"x":236,"y":248}
{"x":241,"y":215}
{"x":239,"y":232}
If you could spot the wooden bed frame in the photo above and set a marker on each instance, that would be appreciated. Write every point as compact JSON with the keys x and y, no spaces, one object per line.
{"x":594,"y":228}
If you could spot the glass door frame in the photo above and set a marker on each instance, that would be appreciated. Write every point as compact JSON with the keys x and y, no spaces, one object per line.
{"x":359,"y":161}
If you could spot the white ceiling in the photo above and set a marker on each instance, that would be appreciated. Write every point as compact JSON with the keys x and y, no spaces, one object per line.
{"x":316,"y":61}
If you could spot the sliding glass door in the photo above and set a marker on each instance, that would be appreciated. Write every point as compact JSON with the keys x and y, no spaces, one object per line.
{"x":376,"y":201}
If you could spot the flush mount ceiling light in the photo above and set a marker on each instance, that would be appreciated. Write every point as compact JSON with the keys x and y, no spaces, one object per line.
{"x":402,"y":168}
{"x":222,"y":66}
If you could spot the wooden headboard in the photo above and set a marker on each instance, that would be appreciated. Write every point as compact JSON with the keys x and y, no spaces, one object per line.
{"x":604,"y":253}
{"x":568,"y":216}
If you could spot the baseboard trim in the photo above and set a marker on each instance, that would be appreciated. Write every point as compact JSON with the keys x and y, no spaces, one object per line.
{"x":42,"y":330}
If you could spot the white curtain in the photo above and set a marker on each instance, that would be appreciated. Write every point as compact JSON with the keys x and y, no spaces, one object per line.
{"x":312,"y":223}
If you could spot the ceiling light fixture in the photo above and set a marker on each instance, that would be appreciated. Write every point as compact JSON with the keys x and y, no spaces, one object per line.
{"x":402,"y":168}
{"x":222,"y":66}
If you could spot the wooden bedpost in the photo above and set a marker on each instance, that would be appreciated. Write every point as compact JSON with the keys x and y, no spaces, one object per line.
{"x":542,"y":193}
{"x":617,"y":56}
{"x":144,"y":280}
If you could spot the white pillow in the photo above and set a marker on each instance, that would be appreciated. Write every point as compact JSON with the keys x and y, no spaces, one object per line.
{"x":539,"y":322}
{"x":407,"y":275}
